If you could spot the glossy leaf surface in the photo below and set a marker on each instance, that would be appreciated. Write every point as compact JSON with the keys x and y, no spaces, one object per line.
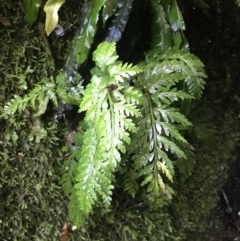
{"x":161,"y":31}
{"x":90,"y":15}
{"x":31,"y":8}
{"x":120,"y":20}
{"x":175,"y":17}
{"x":109,"y":9}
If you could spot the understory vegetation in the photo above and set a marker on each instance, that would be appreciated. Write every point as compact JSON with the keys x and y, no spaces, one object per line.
{"x":110,"y":128}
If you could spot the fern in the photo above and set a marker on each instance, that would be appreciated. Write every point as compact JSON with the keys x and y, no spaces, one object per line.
{"x":130,"y":180}
{"x":37,"y":99}
{"x":141,"y":117}
{"x":155,"y":142}
{"x":93,"y":174}
{"x":133,"y":122}
{"x":110,"y":105}
{"x":70,"y":167}
{"x":107,"y":101}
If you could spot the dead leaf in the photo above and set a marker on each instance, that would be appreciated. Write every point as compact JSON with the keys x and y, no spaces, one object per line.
{"x":51,"y":9}
{"x":65,"y":232}
{"x":4,"y":21}
{"x":20,"y":154}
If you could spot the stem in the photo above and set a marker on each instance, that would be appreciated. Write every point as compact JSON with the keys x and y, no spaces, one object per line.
{"x":155,"y":170}
{"x":112,"y":129}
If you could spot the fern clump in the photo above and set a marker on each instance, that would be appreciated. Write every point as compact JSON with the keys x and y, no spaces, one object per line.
{"x":138,"y":119}
{"x":132,"y":121}
{"x":135,"y":110}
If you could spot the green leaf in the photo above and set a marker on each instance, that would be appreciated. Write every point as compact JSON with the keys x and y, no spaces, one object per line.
{"x":74,"y":210}
{"x":161,"y":31}
{"x":91,"y":173}
{"x":87,"y":176}
{"x":90,"y":15}
{"x":31,"y":8}
{"x":175,"y":17}
{"x":177,"y":40}
{"x":68,"y":178}
{"x":120,"y":20}
{"x":109,"y":9}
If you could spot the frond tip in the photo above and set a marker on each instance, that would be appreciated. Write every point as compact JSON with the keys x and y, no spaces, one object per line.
{"x":192,"y":67}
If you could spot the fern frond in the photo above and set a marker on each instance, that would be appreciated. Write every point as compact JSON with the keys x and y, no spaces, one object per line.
{"x":157,"y":136}
{"x":93,"y":174}
{"x":37,"y":99}
{"x":133,"y":95}
{"x":110,"y":106}
{"x":130,"y":182}
{"x":70,"y":170}
{"x":169,"y":97}
{"x":86,"y":176}
{"x":170,"y":115}
{"x":74,"y":209}
{"x":16,"y":104}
